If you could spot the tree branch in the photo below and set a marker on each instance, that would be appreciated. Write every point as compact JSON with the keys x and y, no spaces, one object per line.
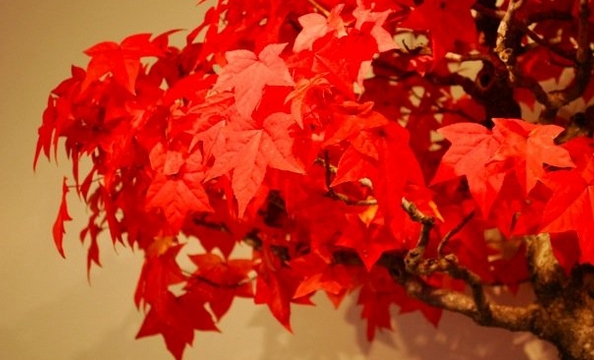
{"x":583,"y":70}
{"x":546,"y":274}
{"x":508,"y":46}
{"x":507,"y":317}
{"x":417,"y":265}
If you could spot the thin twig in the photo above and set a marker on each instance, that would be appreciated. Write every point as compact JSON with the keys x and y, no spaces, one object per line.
{"x":451,"y":233}
{"x":319,"y":7}
{"x":544,"y":43}
{"x":467,"y":57}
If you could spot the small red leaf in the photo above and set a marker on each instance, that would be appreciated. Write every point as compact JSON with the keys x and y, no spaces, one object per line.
{"x":63,"y":216}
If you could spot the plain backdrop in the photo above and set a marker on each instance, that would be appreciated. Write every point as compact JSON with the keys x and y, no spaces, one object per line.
{"x":48,"y":310}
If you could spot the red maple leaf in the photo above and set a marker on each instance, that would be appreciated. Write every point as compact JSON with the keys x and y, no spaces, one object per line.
{"x":485,"y":158}
{"x":121,"y":60}
{"x":220,"y":281}
{"x":366,"y":17}
{"x":318,"y":273}
{"x":447,"y":22}
{"x":398,"y":171}
{"x":248,"y":150}
{"x":275,"y":287}
{"x":177,"y":187}
{"x":297,"y":97}
{"x":159,"y":271}
{"x":45,"y":131}
{"x":63,"y":216}
{"x":529,"y":147}
{"x":177,"y":323}
{"x":369,"y":240}
{"x":315,"y":26}
{"x":350,"y":119}
{"x":247,"y":74}
{"x":353,"y":166}
{"x":341,"y":59}
{"x":473,"y":147}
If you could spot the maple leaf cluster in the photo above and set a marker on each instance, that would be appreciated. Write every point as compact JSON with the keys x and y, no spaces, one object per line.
{"x":298,"y":128}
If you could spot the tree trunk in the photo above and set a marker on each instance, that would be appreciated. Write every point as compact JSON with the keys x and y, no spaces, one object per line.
{"x":566,"y":307}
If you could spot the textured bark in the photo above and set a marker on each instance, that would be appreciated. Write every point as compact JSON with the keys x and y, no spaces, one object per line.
{"x":565,"y":316}
{"x":563,"y":310}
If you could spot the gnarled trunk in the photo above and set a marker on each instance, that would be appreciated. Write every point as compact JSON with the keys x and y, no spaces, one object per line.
{"x":566,"y":307}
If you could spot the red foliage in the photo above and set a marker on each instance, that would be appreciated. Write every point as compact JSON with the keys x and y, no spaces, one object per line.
{"x":297,"y":128}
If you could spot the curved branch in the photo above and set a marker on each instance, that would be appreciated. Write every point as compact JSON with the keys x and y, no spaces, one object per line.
{"x":512,"y":318}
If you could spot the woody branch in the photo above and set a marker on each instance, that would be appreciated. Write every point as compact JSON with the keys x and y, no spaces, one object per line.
{"x":508,"y":47}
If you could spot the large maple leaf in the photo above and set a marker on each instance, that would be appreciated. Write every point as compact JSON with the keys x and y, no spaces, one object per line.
{"x":183,"y":315}
{"x":529,"y":147}
{"x":316,"y":26}
{"x":485,"y":157}
{"x":447,"y":22}
{"x":248,"y":150}
{"x":247,"y":74}
{"x":473,"y":147}
{"x":121,"y":60}
{"x":177,"y":187}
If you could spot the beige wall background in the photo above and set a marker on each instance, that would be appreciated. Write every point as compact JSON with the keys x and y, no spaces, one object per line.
{"x":48,"y":310}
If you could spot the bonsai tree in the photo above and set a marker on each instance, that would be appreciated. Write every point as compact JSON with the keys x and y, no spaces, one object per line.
{"x":418,"y":153}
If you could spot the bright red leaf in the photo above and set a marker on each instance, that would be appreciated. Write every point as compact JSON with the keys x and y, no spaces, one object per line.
{"x":248,"y":150}
{"x":247,"y":74}
{"x":470,"y":155}
{"x":63,"y":216}
{"x":122,"y":61}
{"x":384,"y":40}
{"x":316,"y":26}
{"x":530,"y":148}
{"x":177,"y":187}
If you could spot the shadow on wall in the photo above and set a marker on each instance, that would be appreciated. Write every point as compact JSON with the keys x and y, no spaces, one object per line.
{"x":330,"y":337}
